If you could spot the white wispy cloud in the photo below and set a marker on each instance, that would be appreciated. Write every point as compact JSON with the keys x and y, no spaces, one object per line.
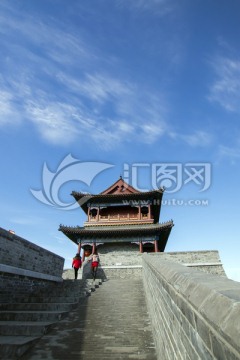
{"x":9,"y":113}
{"x":23,"y":220}
{"x":60,"y":99}
{"x":54,"y":87}
{"x":97,"y":87}
{"x":231,"y":153}
{"x":5,"y":106}
{"x":23,"y":217}
{"x":159,"y":7}
{"x":225,"y":90}
{"x":53,"y":120}
{"x":197,"y":138}
{"x":48,"y":37}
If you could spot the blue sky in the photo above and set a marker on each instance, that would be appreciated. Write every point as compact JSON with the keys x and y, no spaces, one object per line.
{"x":98,"y":87}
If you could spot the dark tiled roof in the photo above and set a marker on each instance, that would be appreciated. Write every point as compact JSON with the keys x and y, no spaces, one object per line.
{"x":116,"y":230}
{"x":103,"y":197}
{"x":119,"y":233}
{"x":134,"y":199}
{"x":120,"y":186}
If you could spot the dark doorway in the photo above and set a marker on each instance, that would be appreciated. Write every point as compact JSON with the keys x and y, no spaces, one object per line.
{"x":148,"y":247}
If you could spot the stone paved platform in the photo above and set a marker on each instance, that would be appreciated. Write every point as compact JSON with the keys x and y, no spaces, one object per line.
{"x":112,"y":323}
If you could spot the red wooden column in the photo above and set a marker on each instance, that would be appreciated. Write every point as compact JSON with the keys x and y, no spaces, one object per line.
{"x":79,"y":248}
{"x":149,"y":212}
{"x":155,"y":246}
{"x":141,"y":247}
{"x":139,"y":213}
{"x":83,"y":255}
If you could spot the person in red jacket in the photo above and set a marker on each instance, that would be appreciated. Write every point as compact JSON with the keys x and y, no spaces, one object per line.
{"x":94,"y":258}
{"x":76,"y":264}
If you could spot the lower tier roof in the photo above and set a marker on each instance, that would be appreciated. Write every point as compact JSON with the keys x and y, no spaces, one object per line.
{"x":125,"y":233}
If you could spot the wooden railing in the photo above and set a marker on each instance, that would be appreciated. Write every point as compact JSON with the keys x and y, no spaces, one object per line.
{"x":117,"y":217}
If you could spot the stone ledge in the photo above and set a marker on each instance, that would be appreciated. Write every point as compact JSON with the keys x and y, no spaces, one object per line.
{"x":121,"y":267}
{"x":214,"y":297}
{"x":202,"y":264}
{"x":32,"y":274}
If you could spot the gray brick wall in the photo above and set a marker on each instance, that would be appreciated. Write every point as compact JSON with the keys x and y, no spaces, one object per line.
{"x":206,"y":260}
{"x":194,"y":315}
{"x":14,"y":288}
{"x":20,"y":253}
{"x":122,"y":253}
{"x":119,"y":260}
{"x":25,"y":268}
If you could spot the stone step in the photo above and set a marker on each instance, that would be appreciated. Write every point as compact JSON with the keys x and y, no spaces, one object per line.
{"x":52,"y":299}
{"x":46,"y":299}
{"x":32,"y":315}
{"x":74,"y":289}
{"x":73,"y":286}
{"x":116,"y":353}
{"x":27,"y":328}
{"x":28,"y":317}
{"x":38,"y":306}
{"x":111,"y":324}
{"x":12,"y":347}
{"x":63,"y":288}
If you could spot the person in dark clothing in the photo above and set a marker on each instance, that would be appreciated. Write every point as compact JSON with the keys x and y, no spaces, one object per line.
{"x":76,"y":264}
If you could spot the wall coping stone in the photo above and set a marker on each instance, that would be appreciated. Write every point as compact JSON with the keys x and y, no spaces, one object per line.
{"x":186,"y":252}
{"x":122,"y":267}
{"x":215,"y":297}
{"x":32,"y":274}
{"x":8,"y":235}
{"x":202,"y":264}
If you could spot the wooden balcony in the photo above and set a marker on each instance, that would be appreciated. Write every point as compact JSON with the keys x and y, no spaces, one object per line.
{"x":118,"y":218}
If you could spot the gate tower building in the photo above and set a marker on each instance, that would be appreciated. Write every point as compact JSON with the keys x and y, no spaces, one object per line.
{"x":120,"y":217}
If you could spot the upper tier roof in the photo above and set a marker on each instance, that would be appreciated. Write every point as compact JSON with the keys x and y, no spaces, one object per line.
{"x":118,"y":192}
{"x":120,"y":187}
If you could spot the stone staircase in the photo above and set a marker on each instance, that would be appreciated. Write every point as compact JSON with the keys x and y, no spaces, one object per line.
{"x":28,"y":317}
{"x":112,"y":323}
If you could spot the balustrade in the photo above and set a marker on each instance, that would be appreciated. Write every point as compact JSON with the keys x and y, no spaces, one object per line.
{"x":117,"y":217}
